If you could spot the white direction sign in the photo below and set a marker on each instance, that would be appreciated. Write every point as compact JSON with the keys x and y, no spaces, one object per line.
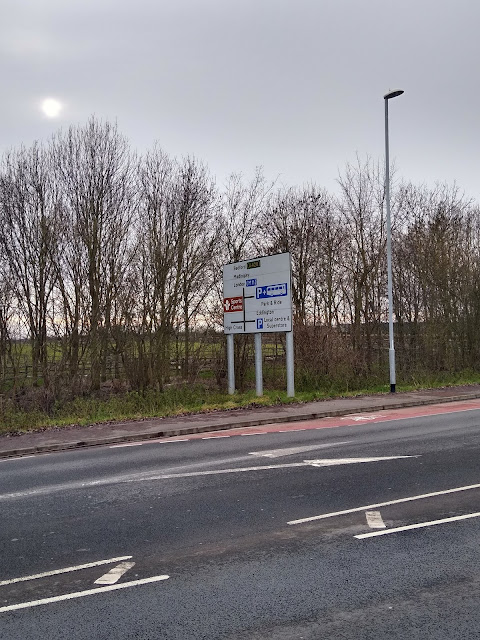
{"x":257,"y":295}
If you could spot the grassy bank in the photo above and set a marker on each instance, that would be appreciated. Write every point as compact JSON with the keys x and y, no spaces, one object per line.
{"x":180,"y":401}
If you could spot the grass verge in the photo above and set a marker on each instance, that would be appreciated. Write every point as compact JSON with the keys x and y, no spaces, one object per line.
{"x":185,"y":400}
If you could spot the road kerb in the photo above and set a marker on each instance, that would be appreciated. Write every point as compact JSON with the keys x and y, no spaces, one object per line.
{"x":228,"y":424}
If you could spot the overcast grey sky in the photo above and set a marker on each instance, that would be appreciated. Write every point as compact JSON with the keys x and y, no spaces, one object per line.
{"x":293,"y":85}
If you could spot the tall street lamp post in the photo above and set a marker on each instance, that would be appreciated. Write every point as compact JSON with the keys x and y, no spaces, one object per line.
{"x":391,"y":350}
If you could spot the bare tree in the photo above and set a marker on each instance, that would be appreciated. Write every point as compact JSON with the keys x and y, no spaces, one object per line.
{"x":95,"y":167}
{"x":159,"y":235}
{"x":30,"y":214}
{"x":194,"y":195}
{"x":361,"y":207}
{"x":435,"y":274}
{"x":293,"y":225}
{"x":241,"y":207}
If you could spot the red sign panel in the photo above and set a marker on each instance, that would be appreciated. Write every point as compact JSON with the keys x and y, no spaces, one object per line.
{"x":233,"y":304}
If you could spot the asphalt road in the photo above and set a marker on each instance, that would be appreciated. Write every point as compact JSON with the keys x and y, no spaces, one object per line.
{"x":256,"y":535}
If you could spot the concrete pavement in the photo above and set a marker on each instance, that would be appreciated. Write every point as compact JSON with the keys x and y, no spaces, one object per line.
{"x":61,"y":438}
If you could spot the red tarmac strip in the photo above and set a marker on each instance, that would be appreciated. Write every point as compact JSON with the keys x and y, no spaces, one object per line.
{"x":330,"y":423}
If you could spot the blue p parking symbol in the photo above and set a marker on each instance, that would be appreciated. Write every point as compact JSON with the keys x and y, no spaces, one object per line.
{"x":259,"y":323}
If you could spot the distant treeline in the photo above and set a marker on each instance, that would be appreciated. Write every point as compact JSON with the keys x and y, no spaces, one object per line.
{"x":111,"y":257}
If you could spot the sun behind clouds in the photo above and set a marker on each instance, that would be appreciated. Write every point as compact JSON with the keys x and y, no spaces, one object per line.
{"x":51,"y":107}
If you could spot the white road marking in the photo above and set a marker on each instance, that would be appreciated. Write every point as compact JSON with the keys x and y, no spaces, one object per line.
{"x":114,"y":575}
{"x":447,"y":410}
{"x":359,"y":418}
{"x":213,"y":437}
{"x":149,"y":441}
{"x":142,"y":477}
{"x":329,"y":462}
{"x":78,"y":567}
{"x":375,"y":520}
{"x":306,"y":463}
{"x":81,"y":594}
{"x":384,"y":504}
{"x":257,"y":433}
{"x":290,"y":451}
{"x":420,"y":525}
{"x":126,"y":444}
{"x":193,"y":474}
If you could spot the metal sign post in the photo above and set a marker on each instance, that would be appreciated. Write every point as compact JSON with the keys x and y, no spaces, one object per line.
{"x":258,"y":365}
{"x":257,"y":299}
{"x":230,"y":364}
{"x":290,"y":365}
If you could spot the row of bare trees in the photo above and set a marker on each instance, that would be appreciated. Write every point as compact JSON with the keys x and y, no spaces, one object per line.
{"x":110,"y":261}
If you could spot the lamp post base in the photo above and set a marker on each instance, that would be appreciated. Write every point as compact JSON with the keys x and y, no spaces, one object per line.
{"x":392,"y":388}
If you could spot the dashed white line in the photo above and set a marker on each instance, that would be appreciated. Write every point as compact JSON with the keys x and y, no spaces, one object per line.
{"x":126,"y":444}
{"x":257,"y":433}
{"x":419,"y":525}
{"x":213,"y":437}
{"x":81,"y":594}
{"x":77,"y":567}
{"x":152,"y":441}
{"x":375,"y":520}
{"x":114,"y":575}
{"x":384,"y":504}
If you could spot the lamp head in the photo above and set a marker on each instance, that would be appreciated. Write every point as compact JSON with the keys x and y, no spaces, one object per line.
{"x":393,"y":94}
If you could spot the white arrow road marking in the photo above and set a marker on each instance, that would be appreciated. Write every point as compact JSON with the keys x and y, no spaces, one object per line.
{"x":374,"y":520}
{"x":338,"y":461}
{"x":78,"y":567}
{"x":420,"y":525}
{"x":278,"y":453}
{"x":191,"y":474}
{"x":327,"y":462}
{"x":114,"y":575}
{"x":82,"y":594}
{"x":215,"y":472}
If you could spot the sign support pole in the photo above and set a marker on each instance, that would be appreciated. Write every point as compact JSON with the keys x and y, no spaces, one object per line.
{"x":290,"y":366}
{"x":258,"y":365}
{"x":230,"y":364}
